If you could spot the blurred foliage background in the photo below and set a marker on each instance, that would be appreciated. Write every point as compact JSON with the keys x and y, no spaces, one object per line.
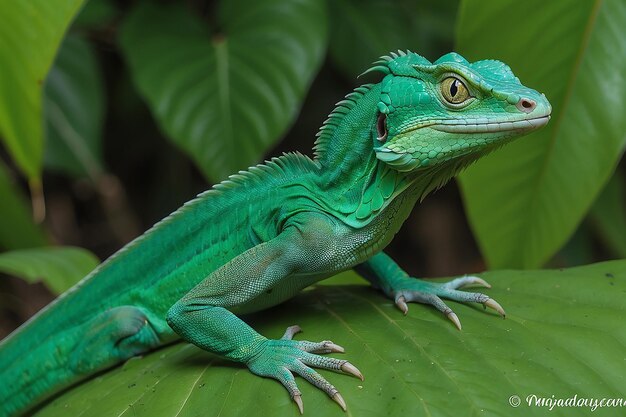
{"x":114,"y":113}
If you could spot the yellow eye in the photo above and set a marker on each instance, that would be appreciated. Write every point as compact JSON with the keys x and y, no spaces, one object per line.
{"x":454,"y":91}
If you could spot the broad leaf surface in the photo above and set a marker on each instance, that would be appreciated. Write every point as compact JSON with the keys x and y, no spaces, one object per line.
{"x":96,"y":14}
{"x":58,"y":268}
{"x":74,"y":108}
{"x":17,"y":229}
{"x":225,"y":98}
{"x":30,"y":34}
{"x":363,"y":30}
{"x":563,"y":336}
{"x":609,"y":215}
{"x":525,"y":200}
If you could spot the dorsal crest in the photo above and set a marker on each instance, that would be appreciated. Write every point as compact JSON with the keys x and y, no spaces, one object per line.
{"x":400,"y":63}
{"x":334,"y":118}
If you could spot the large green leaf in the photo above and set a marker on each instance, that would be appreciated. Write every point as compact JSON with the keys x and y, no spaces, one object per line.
{"x":363,"y":30}
{"x":57,"y":267}
{"x":227,"y":97}
{"x":17,"y":229}
{"x":97,"y":14}
{"x":74,"y":107}
{"x":30,"y":34}
{"x":563,"y":336}
{"x":608,"y":214}
{"x":527,"y":199}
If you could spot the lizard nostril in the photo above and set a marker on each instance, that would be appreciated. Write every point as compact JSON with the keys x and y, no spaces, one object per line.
{"x":526,"y":105}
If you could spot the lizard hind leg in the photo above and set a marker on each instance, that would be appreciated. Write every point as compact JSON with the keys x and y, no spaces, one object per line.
{"x":114,"y":336}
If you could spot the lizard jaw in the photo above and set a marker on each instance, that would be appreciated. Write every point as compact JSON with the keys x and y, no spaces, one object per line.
{"x":405,"y":161}
{"x":491,"y":127}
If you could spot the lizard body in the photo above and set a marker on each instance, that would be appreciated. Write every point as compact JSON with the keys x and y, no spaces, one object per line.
{"x":258,"y":238}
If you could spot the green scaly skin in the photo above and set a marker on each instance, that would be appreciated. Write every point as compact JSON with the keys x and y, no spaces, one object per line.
{"x":258,"y":238}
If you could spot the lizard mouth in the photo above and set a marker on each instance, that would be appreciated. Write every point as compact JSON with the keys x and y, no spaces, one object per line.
{"x":479,"y":126}
{"x":404,"y":160}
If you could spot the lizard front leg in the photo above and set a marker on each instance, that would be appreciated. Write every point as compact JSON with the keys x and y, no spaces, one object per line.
{"x":202,"y":317}
{"x":386,"y":275}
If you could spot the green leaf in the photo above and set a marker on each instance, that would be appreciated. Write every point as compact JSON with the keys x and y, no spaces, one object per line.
{"x":608,"y":214}
{"x":74,"y":108}
{"x":579,"y":249}
{"x":363,"y":30}
{"x":30,"y":34}
{"x":17,"y":229}
{"x":563,"y":336}
{"x":525,"y":200}
{"x":96,"y":14}
{"x":225,"y":97}
{"x":59,"y":268}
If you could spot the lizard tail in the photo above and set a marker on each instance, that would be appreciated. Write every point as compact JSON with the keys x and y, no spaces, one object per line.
{"x":35,"y":373}
{"x":32,"y":370}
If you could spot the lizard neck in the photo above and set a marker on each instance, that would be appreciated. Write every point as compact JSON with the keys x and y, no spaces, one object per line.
{"x":344,"y":147}
{"x":355,"y":184}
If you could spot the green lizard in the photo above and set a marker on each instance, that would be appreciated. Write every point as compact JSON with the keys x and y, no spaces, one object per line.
{"x":258,"y":238}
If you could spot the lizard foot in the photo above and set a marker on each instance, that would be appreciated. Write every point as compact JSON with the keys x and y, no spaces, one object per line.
{"x":417,"y":290}
{"x":281,"y":359}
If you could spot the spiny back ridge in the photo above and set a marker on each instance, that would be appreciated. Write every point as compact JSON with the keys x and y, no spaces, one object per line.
{"x":276,"y":170}
{"x":334,"y":118}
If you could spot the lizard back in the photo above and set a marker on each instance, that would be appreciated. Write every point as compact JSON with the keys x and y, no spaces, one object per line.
{"x":175,"y":254}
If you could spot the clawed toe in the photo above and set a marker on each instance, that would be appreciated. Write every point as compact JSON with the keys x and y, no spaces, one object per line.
{"x":465,"y":282}
{"x":348,"y":368}
{"x":298,"y":400}
{"x":454,"y":319}
{"x":471,"y":280}
{"x":285,"y":358}
{"x":401,"y":303}
{"x":291,"y":331}
{"x":432,"y":293}
{"x":330,"y":347}
{"x":491,"y":303}
{"x":339,"y":400}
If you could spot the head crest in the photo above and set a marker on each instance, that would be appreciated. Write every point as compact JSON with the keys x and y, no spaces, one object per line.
{"x":407,"y":63}
{"x":398,"y":63}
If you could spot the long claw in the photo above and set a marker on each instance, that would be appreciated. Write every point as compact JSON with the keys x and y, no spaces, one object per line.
{"x":465,"y":281}
{"x":401,"y":303}
{"x":339,"y":400}
{"x":494,"y":304}
{"x":481,"y":282}
{"x":298,"y":400}
{"x":334,"y":348}
{"x":348,"y":368}
{"x":454,"y":319}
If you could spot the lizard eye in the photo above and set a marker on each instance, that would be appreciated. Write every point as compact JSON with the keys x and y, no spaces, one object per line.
{"x":381,"y":127}
{"x":454,"y":90}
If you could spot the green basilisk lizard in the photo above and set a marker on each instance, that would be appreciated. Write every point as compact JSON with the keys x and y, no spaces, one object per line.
{"x":261,"y":236}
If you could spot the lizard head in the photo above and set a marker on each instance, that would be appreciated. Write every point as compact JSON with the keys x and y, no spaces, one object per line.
{"x":431,"y":114}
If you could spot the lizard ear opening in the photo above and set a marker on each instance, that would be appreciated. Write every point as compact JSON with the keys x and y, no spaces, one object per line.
{"x":381,"y":127}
